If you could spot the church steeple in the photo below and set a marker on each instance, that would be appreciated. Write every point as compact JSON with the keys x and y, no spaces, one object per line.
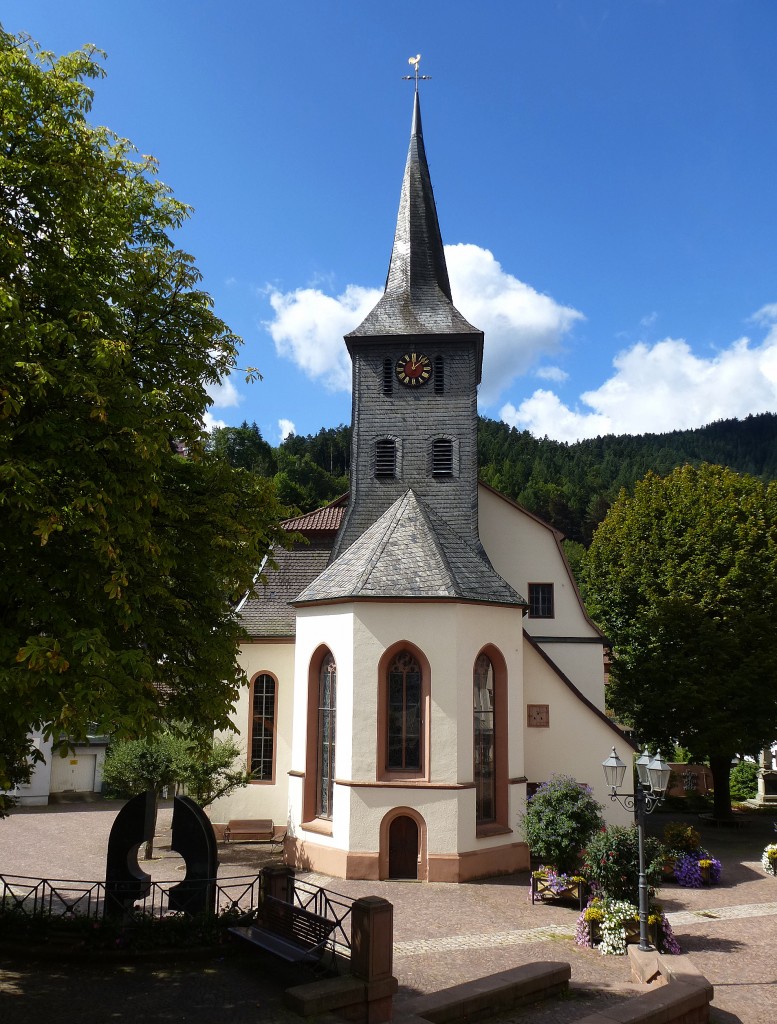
{"x":416,"y":368}
{"x":417,"y":297}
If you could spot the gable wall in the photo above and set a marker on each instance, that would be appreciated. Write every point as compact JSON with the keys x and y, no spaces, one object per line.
{"x":575,"y":743}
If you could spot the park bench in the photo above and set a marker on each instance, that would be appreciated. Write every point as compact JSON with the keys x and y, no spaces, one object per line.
{"x":256,"y":830}
{"x":290,"y":932}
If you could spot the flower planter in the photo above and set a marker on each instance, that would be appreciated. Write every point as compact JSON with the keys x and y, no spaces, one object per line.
{"x":550,"y":886}
{"x":632,"y":932}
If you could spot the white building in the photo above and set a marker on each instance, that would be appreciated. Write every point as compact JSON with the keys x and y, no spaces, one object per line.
{"x":425,"y":657}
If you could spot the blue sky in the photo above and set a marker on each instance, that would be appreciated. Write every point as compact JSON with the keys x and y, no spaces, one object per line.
{"x":604,"y":173}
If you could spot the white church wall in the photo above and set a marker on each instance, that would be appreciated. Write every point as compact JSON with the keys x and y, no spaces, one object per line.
{"x":331,"y":627}
{"x":263,"y":799}
{"x":524,"y":550}
{"x":575,"y":742}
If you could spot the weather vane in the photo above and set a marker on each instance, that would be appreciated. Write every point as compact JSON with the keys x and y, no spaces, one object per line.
{"x":415,"y":61}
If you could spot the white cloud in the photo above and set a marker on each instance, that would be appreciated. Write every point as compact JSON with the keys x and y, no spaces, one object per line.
{"x":521,"y":324}
{"x":224,"y":394}
{"x":210,"y":423}
{"x":765,"y":315}
{"x":309,"y":325}
{"x":554,"y":373}
{"x":660,"y":388}
{"x":285,"y":427}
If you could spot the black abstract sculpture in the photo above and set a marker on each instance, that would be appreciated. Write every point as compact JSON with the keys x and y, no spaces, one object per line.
{"x":125,"y":880}
{"x":193,"y":838}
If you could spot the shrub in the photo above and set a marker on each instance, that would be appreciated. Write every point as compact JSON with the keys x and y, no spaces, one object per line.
{"x":744,"y":780}
{"x":612,"y":862}
{"x":679,"y":838}
{"x":559,"y":820}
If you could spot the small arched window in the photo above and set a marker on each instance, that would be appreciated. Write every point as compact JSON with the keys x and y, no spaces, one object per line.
{"x":385,"y":458}
{"x":442,"y":456}
{"x":262,"y":742}
{"x":327,"y":709}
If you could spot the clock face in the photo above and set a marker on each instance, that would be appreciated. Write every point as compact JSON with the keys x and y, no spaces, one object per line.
{"x":414,"y":369}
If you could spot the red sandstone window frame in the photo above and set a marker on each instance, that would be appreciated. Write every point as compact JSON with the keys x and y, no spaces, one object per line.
{"x":383,"y":773}
{"x":272,"y":730}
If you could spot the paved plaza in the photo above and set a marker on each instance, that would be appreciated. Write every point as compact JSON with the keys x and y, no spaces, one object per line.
{"x":444,"y":935}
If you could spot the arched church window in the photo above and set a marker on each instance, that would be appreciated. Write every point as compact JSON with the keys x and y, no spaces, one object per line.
{"x":388,"y":376}
{"x":439,"y":375}
{"x":442,"y":456}
{"x":385,"y":458}
{"x":483,"y":712}
{"x":327,"y":707}
{"x":404,"y":717}
{"x":262,"y":739}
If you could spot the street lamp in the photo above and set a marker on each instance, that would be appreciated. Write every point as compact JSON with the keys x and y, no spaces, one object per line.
{"x":652,"y":779}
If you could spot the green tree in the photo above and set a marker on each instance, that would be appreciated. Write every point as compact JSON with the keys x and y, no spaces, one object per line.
{"x":682,"y":576}
{"x":125,"y":547}
{"x":206,"y":770}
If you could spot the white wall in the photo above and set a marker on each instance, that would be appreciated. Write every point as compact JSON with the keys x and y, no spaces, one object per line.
{"x":577,"y":740}
{"x":261,"y":799}
{"x":524,"y":550}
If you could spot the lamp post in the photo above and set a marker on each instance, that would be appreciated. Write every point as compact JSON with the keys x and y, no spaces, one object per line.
{"x":652,"y":780}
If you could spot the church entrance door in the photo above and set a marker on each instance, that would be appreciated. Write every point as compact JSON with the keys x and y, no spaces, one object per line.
{"x":403,"y":848}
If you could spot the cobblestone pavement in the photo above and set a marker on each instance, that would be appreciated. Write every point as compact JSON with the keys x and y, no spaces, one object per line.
{"x":444,"y":934}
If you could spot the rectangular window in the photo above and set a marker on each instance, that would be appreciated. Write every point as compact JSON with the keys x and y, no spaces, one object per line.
{"x":541,"y":601}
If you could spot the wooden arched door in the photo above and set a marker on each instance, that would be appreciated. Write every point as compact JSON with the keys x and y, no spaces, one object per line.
{"x":403,"y":848}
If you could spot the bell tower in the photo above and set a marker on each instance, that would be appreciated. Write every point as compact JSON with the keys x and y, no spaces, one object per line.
{"x":416,"y":367}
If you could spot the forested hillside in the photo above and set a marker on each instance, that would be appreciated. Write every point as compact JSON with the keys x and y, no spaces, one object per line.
{"x":569,"y":485}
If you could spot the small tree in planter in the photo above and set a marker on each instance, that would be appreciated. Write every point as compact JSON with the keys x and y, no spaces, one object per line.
{"x":611,"y":862}
{"x":559,"y":820}
{"x":611,"y":865}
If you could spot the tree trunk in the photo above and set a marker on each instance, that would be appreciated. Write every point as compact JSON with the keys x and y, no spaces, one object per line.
{"x":720,"y":766}
{"x":148,"y":851}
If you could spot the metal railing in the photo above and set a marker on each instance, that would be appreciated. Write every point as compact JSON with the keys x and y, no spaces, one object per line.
{"x":67,"y":899}
{"x":63,"y":898}
{"x":331,"y":905}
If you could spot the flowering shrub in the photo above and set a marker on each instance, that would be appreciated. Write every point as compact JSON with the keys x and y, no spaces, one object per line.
{"x":559,"y":820}
{"x":688,"y":868}
{"x":769,"y":859}
{"x":610,"y":918}
{"x":612,"y":862}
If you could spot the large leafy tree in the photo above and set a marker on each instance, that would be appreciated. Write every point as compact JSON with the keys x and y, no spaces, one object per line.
{"x":124,"y":545}
{"x":682,"y":576}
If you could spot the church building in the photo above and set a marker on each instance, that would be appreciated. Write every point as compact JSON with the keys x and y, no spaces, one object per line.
{"x":423,"y":659}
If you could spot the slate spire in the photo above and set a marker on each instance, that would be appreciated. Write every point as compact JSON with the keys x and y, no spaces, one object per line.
{"x":417,"y":298}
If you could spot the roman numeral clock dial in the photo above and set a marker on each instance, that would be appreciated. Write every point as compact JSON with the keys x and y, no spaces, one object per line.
{"x":413,"y":369}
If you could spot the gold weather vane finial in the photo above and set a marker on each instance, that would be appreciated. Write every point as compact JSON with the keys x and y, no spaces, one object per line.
{"x":414,"y":62}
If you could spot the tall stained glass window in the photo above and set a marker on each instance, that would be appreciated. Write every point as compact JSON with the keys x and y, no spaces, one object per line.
{"x":484,"y":746}
{"x":403,"y":747}
{"x":327,"y":706}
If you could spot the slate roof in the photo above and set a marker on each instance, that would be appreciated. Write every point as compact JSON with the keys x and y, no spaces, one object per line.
{"x":411,"y":552}
{"x":417,"y":298}
{"x":271,"y":614}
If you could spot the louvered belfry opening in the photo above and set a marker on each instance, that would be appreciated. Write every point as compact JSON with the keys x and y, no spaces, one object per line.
{"x":439,"y":375}
{"x":442,"y":456}
{"x":386,"y":458}
{"x":388,"y":376}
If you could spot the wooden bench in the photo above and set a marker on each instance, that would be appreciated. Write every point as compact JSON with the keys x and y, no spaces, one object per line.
{"x":256,"y":830}
{"x":290,"y":932}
